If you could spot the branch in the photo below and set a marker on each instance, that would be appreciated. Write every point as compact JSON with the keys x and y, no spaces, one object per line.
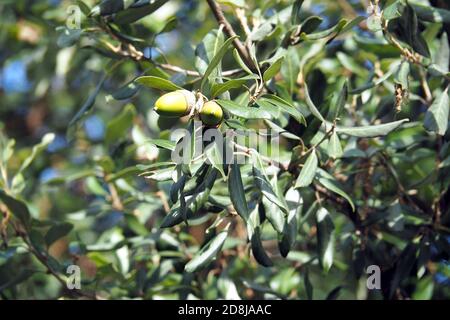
{"x":192,"y":73}
{"x":44,"y":261}
{"x":325,"y":137}
{"x":243,"y":52}
{"x":115,"y":198}
{"x":128,"y":50}
{"x":347,"y":8}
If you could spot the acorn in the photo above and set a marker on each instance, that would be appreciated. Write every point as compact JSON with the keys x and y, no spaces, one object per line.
{"x":175,"y":104}
{"x":211,"y":113}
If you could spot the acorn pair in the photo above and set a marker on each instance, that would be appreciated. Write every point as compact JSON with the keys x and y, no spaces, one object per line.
{"x":180,"y":103}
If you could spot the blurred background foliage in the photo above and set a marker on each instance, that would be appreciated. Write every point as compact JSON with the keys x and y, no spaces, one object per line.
{"x":76,"y":174}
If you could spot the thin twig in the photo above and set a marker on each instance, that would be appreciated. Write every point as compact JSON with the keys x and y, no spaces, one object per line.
{"x":401,"y":189}
{"x":193,"y":73}
{"x":347,"y":8}
{"x":128,"y":50}
{"x":425,"y":86}
{"x":163,"y":198}
{"x":243,"y":52}
{"x":115,"y":198}
{"x":44,"y":261}
{"x":325,"y":137}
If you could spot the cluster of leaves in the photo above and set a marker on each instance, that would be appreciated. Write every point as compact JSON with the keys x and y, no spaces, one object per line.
{"x":358,"y":95}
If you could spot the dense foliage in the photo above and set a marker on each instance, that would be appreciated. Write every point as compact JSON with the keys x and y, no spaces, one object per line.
{"x":356,"y":90}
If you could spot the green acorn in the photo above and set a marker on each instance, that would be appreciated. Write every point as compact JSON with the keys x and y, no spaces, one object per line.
{"x":211,"y":113}
{"x":175,"y":104}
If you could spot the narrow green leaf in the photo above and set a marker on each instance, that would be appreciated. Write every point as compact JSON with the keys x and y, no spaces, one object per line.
{"x":108,"y":7}
{"x":262,"y":32}
{"x":68,"y":37}
{"x":401,"y":76}
{"x":216,"y":60}
{"x":403,"y":267}
{"x":394,"y":10}
{"x":165,"y":144}
{"x":266,"y":189}
{"x":124,"y":173}
{"x":6,"y":150}
{"x":246,"y":112}
{"x":442,"y":56}
{"x":21,"y":276}
{"x":310,"y":24}
{"x":308,"y":171}
{"x":334,"y":146}
{"x":57,"y":231}
{"x":325,"y":238}
{"x":236,"y":191}
{"x":312,"y":108}
{"x":254,"y":220}
{"x":241,"y":63}
{"x":170,"y":25}
{"x":37,"y":149}
{"x":424,"y":289}
{"x":218,"y":88}
{"x":160,"y":174}
{"x":330,"y":183}
{"x":334,"y":30}
{"x":258,"y":251}
{"x":133,"y":14}
{"x":268,"y":107}
{"x":436,"y":118}
{"x":280,"y":130}
{"x":125,"y":92}
{"x":295,"y":14}
{"x":285,"y":107}
{"x":157,"y":83}
{"x":290,"y":69}
{"x":436,"y":71}
{"x":215,"y":157}
{"x":406,"y":28}
{"x":84,"y":7}
{"x":177,"y":188}
{"x":207,"y":49}
{"x":207,"y":253}
{"x":274,"y":215}
{"x":118,"y":126}
{"x":18,"y":208}
{"x":371,"y":131}
{"x":340,"y":102}
{"x":88,"y":104}
{"x":289,"y":234}
{"x":273,"y":69}
{"x":432,"y":14}
{"x":348,"y":25}
{"x":191,"y":201}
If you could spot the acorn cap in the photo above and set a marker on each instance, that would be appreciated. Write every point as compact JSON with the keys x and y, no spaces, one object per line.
{"x":211,"y":113}
{"x":175,"y":104}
